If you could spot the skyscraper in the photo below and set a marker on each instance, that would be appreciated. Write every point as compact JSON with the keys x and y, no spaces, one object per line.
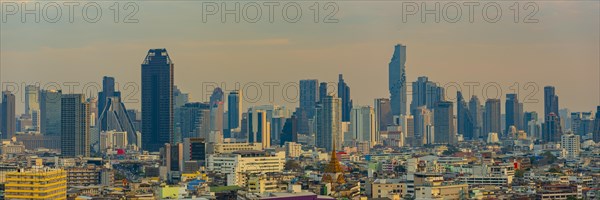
{"x":362,"y":124}
{"x":329,"y":123}
{"x":444,"y":123}
{"x":32,"y":95}
{"x":383,"y":116}
{"x":195,"y":120}
{"x":75,"y":126}
{"x":551,"y":130}
{"x":596,"y":133}
{"x":550,"y":101}
{"x":9,"y":120}
{"x":425,"y":93}
{"x":108,"y":90}
{"x":476,"y":110}
{"x":344,"y":94}
{"x":289,"y":132}
{"x":217,"y":110}
{"x":492,"y":117}
{"x":397,"y":80}
{"x":50,"y":112}
{"x":114,"y":117}
{"x":513,"y":112}
{"x":157,"y":100}
{"x":464,"y":119}
{"x":322,"y":90}
{"x":259,"y":127}
{"x":234,"y":110}
{"x":309,"y":95}
{"x":530,"y":120}
{"x":423,"y":117}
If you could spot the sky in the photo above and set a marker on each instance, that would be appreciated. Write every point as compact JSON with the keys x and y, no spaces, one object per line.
{"x":560,"y":46}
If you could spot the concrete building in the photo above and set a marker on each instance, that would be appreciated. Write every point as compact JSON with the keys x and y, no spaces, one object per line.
{"x":572,"y":144}
{"x":237,"y":165}
{"x":37,"y":183}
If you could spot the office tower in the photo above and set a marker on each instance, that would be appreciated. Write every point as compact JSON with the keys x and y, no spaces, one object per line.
{"x":576,"y":119}
{"x":50,"y":107}
{"x":596,"y":134}
{"x":426,"y":93}
{"x":258,"y":127}
{"x":443,"y":121}
{"x":513,"y":112}
{"x":32,"y":94}
{"x":344,"y":95}
{"x":492,"y":117}
{"x":309,"y":95}
{"x":75,"y":126}
{"x":530,"y":120}
{"x":322,"y":90}
{"x":36,"y":183}
{"x":179,"y":99}
{"x":234,"y":110}
{"x":136,"y":117}
{"x":362,"y":124}
{"x":114,"y":117}
{"x":108,"y":90}
{"x":216,"y":116}
{"x":550,"y":101}
{"x":94,"y":112}
{"x":9,"y":120}
{"x":383,"y":116}
{"x":476,"y":110}
{"x":464,"y":122}
{"x":277,"y":123}
{"x":157,"y":99}
{"x":429,"y":134}
{"x":289,"y":133}
{"x":571,"y":143}
{"x":565,"y":118}
{"x":329,"y":123}
{"x":195,"y":120}
{"x":407,"y":123}
{"x":397,"y":80}
{"x":551,"y":130}
{"x":423,"y":117}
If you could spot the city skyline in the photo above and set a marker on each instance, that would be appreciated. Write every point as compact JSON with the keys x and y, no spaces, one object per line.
{"x":505,"y":59}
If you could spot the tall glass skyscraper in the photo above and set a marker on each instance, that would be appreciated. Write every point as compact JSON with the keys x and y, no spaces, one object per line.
{"x":234,"y":110}
{"x":157,"y":99}
{"x":309,"y":96}
{"x":514,"y":112}
{"x":344,"y":94}
{"x":443,"y":121}
{"x":8,"y":123}
{"x":492,"y":118}
{"x":329,"y":123}
{"x":397,"y":80}
{"x":75,"y":126}
{"x":464,"y":119}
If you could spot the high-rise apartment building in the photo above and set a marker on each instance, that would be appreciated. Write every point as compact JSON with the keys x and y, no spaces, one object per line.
{"x":444,"y":123}
{"x":8,"y":124}
{"x":329,"y":123}
{"x":492,"y":117}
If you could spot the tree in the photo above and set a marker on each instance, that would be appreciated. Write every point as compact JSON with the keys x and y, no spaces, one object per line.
{"x":292,"y":165}
{"x":519,"y":173}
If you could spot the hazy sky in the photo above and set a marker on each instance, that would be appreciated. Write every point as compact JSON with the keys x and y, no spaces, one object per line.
{"x":562,"y":49}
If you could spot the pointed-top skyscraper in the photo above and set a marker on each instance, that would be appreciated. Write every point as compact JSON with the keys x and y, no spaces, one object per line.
{"x":157,"y":99}
{"x":397,"y":80}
